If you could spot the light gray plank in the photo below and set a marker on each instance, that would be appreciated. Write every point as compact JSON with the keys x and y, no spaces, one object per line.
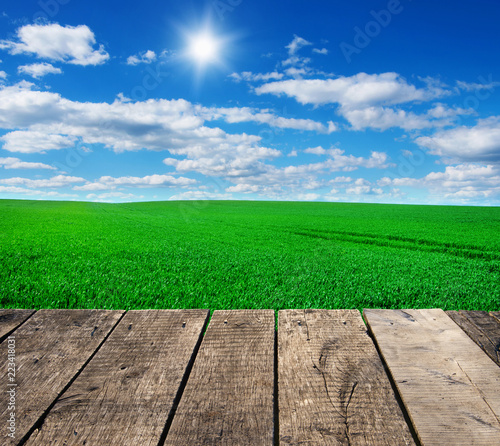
{"x":333,"y":388}
{"x":449,"y":386}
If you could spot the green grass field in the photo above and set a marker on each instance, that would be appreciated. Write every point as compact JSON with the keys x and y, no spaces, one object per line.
{"x":228,"y":255}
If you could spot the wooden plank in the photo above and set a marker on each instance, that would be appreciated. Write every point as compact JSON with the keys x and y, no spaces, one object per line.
{"x":496,"y":315}
{"x":482,"y":328}
{"x":333,"y":388}
{"x":11,"y":319}
{"x":448,"y":385}
{"x":125,"y":394}
{"x":50,"y":349}
{"x":228,"y":399}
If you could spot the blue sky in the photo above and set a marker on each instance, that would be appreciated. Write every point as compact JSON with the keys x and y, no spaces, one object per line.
{"x":367,"y":101}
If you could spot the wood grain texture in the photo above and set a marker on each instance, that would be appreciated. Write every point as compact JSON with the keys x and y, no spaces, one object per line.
{"x":496,"y":315}
{"x":333,"y":389}
{"x":228,"y":399}
{"x":125,"y":394}
{"x":11,"y":319}
{"x":482,"y":328}
{"x":51,"y":348}
{"x":450,"y":387}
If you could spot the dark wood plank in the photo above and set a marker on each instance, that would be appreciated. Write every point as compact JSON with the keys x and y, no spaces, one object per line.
{"x":11,"y":319}
{"x":333,"y":388}
{"x":449,"y":386}
{"x":482,"y":328}
{"x":228,"y":399}
{"x":496,"y":315}
{"x":125,"y":394}
{"x":51,"y":348}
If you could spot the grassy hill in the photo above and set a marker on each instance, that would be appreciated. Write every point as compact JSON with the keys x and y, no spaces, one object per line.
{"x":227,"y":254}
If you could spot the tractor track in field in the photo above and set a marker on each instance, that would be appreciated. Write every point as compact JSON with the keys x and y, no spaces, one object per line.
{"x":389,"y":241}
{"x":384,"y":240}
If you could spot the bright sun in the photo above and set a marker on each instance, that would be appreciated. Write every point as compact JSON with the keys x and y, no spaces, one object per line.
{"x":203,"y":48}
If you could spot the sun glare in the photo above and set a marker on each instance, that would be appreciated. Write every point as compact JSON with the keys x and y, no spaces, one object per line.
{"x":203,"y":48}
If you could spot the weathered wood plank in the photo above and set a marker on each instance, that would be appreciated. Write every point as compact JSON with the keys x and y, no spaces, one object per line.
{"x":495,"y":314}
{"x":448,"y":385}
{"x":482,"y":328}
{"x":125,"y":394}
{"x":11,"y":319}
{"x":51,"y":348}
{"x":333,"y":388}
{"x":228,"y":399}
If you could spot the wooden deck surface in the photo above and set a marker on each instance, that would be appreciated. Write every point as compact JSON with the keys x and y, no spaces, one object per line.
{"x":171,"y":377}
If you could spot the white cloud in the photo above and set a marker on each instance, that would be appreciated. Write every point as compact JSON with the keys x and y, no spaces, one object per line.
{"x":110,"y":196}
{"x":293,"y":66}
{"x":316,"y":150}
{"x":383,"y":118}
{"x":70,"y":44}
{"x":176,"y":126}
{"x":57,"y":181}
{"x":296,"y":44}
{"x":365,"y":100}
{"x":243,"y":188}
{"x":457,"y":175}
{"x":475,"y":86}
{"x":312,"y":185}
{"x":308,"y":197}
{"x":31,"y":192}
{"x":340,"y":162}
{"x":341,"y":180}
{"x":121,"y":126}
{"x":146,"y":57}
{"x":298,"y":73}
{"x":223,"y":161}
{"x":273,"y":181}
{"x":443,"y":111}
{"x":332,"y":127}
{"x":38,"y":70}
{"x":108,"y":182}
{"x":362,"y":186}
{"x":362,"y":190}
{"x":35,"y":141}
{"x":16,"y":163}
{"x":296,"y":61}
{"x":96,"y":186}
{"x":360,"y":90}
{"x":464,"y":181}
{"x":3,"y":75}
{"x":255,"y":77}
{"x":21,"y":107}
{"x":478,"y":143}
{"x":200,"y":195}
{"x":15,"y":190}
{"x":247,"y":114}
